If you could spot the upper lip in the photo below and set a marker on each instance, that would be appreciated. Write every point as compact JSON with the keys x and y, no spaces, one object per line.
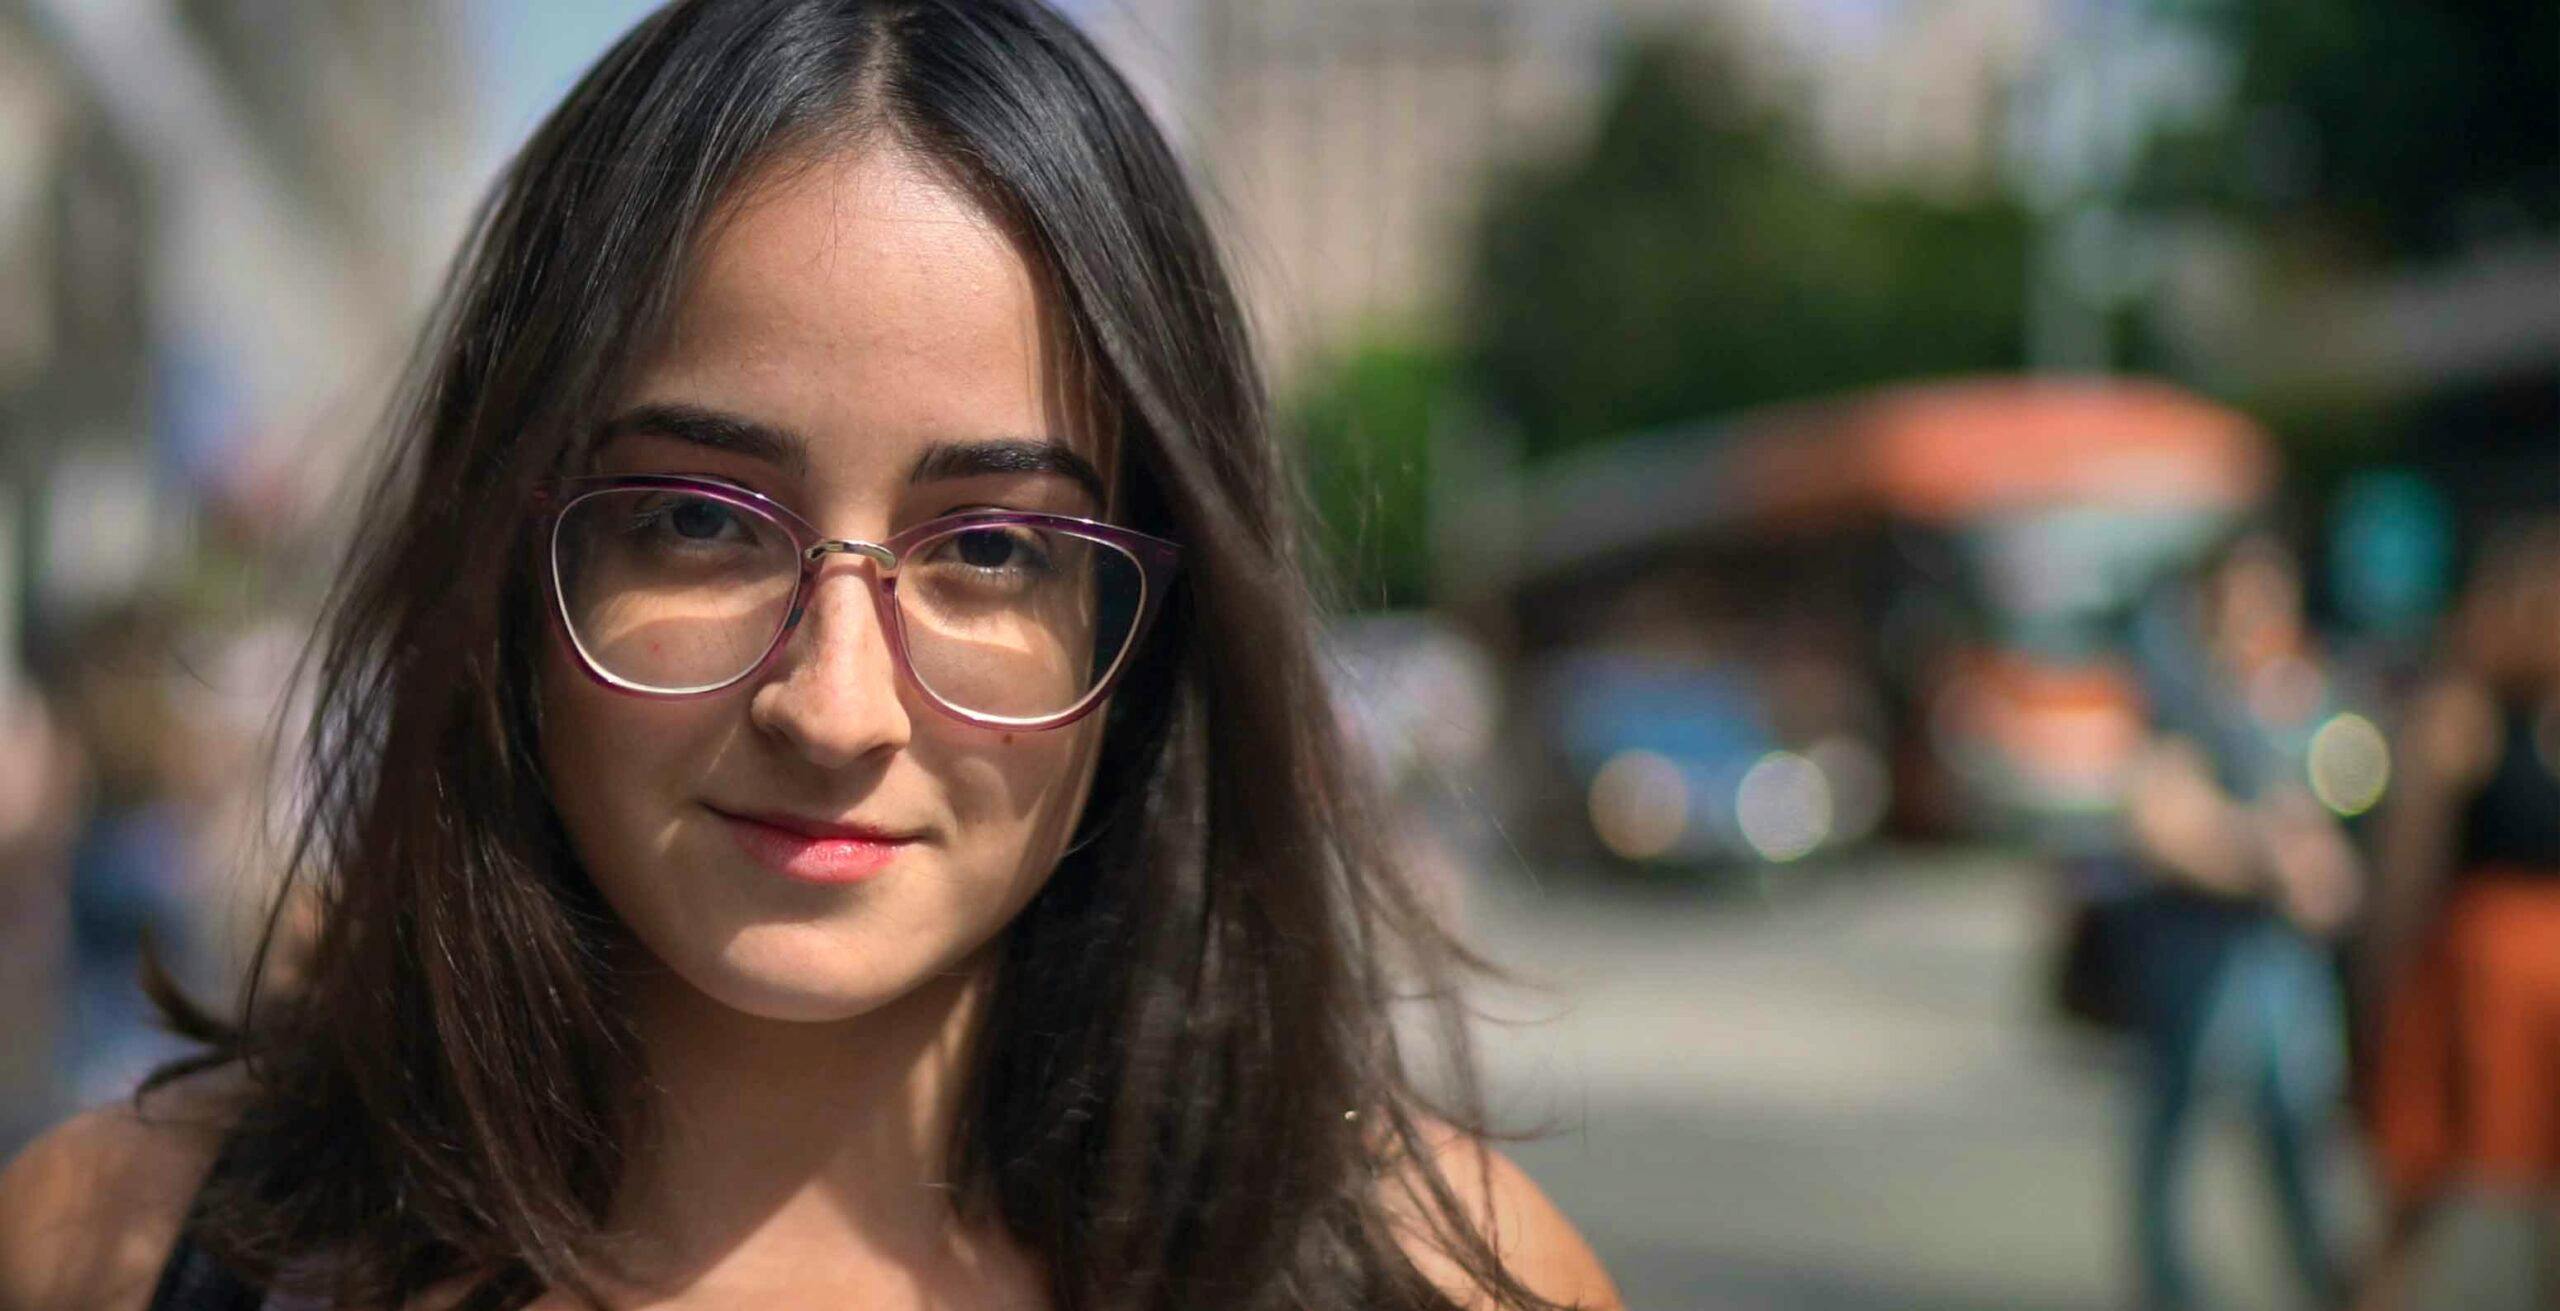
{"x":818,"y":828}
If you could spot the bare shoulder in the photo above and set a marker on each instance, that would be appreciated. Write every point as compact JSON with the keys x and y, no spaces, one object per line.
{"x":89,"y":1210}
{"x":2451,"y":734}
{"x":1535,"y":1242}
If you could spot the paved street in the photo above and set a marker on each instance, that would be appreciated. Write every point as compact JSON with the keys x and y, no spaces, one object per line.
{"x":1845,"y":1098}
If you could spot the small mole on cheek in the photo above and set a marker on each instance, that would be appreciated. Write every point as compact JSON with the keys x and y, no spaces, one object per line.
{"x":1008,"y":739}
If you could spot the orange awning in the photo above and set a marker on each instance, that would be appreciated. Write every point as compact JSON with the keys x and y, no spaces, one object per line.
{"x":1943,"y":451}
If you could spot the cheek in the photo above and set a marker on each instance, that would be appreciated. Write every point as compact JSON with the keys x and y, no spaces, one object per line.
{"x":1025,"y":789}
{"x":616,"y":763}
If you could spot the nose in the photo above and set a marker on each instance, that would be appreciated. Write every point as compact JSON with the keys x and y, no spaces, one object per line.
{"x":838,"y":697}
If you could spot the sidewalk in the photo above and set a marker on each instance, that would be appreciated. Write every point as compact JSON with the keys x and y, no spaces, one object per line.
{"x":1846,"y":1099}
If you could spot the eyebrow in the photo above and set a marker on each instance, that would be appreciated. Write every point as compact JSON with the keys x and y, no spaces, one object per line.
{"x":1007,"y":455}
{"x":721,"y":431}
{"x":715,"y":429}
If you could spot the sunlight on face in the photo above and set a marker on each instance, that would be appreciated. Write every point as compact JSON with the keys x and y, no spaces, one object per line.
{"x":844,"y":330}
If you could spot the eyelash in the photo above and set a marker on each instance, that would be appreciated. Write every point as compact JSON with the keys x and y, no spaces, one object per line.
{"x":942,"y":512}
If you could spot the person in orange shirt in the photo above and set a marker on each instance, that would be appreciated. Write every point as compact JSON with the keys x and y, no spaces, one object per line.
{"x":2464,"y":953}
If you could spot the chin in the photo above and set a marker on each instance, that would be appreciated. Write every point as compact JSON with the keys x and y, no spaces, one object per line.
{"x":795,"y":974}
{"x":782,"y":1003}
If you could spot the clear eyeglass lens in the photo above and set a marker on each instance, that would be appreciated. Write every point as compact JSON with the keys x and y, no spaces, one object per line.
{"x":672,"y":590}
{"x":1016,"y":622}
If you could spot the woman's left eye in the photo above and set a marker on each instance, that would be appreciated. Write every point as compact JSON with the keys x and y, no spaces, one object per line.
{"x":994,"y":550}
{"x":987,"y":548}
{"x":997,"y":549}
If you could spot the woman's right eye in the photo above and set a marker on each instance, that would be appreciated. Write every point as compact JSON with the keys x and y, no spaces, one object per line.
{"x":689,"y":521}
{"x":700,"y":520}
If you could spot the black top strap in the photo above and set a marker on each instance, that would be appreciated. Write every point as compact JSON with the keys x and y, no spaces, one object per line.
{"x":194,"y":1281}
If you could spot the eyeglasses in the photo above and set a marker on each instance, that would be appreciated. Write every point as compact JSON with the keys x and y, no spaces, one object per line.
{"x":673,"y":586}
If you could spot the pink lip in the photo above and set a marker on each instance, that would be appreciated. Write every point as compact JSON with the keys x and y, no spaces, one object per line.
{"x":813,"y":852}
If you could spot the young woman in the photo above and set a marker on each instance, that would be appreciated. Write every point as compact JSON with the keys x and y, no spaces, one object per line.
{"x":2224,"y":955}
{"x":823,"y":796}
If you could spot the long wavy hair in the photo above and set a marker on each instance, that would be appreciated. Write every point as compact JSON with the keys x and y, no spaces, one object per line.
{"x":1190,"y":1091}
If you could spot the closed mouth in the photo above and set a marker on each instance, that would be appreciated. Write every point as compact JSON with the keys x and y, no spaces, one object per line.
{"x":837,"y":854}
{"x":816,"y":830}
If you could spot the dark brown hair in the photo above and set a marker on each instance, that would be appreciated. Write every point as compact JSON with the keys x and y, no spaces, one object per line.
{"x":2501,"y":631}
{"x":1190,"y":1093}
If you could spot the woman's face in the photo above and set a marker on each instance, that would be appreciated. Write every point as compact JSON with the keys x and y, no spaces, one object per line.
{"x":869,"y":330}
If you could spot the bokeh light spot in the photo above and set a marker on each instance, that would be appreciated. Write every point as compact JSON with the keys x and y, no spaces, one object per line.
{"x":1639,"y":804}
{"x":1784,"y":806}
{"x":2350,"y":764}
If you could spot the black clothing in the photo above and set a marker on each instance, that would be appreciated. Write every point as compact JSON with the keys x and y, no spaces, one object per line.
{"x":193,"y":1281}
{"x":2513,"y":822}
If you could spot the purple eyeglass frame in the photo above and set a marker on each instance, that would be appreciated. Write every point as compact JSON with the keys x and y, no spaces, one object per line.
{"x":1156,"y":558}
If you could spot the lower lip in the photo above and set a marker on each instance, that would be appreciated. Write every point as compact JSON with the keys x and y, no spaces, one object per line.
{"x":813,"y":860}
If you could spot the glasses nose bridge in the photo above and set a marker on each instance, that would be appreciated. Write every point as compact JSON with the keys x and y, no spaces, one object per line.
{"x":873,"y":551}
{"x":813,"y":559}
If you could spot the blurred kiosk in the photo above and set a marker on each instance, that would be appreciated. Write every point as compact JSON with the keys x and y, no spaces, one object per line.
{"x":1947,"y":569}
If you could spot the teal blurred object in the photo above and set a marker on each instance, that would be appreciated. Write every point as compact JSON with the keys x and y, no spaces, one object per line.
{"x":2391,"y":552}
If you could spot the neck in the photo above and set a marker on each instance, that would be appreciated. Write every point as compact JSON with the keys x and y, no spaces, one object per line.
{"x":2247,"y":653}
{"x":770,"y":1143}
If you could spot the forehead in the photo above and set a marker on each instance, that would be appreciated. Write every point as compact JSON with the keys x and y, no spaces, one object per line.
{"x":866,"y":301}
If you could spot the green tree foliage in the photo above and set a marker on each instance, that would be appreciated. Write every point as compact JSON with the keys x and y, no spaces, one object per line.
{"x":2376,"y":138}
{"x":2381,"y":129}
{"x":1690,"y":261}
{"x":1364,"y":423}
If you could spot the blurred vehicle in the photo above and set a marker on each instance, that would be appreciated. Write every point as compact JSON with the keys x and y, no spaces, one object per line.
{"x":1677,"y":765}
{"x":1946,"y":571}
{"x":2028,"y":708}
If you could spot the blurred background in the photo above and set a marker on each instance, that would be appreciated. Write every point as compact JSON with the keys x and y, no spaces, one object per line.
{"x":1780,"y":465}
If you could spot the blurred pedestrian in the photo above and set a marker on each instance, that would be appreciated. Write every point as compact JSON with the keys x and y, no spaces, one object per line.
{"x":2225,"y":958}
{"x":2464,"y":953}
{"x":822,"y":792}
{"x":130,"y":859}
{"x":40,"y":787}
